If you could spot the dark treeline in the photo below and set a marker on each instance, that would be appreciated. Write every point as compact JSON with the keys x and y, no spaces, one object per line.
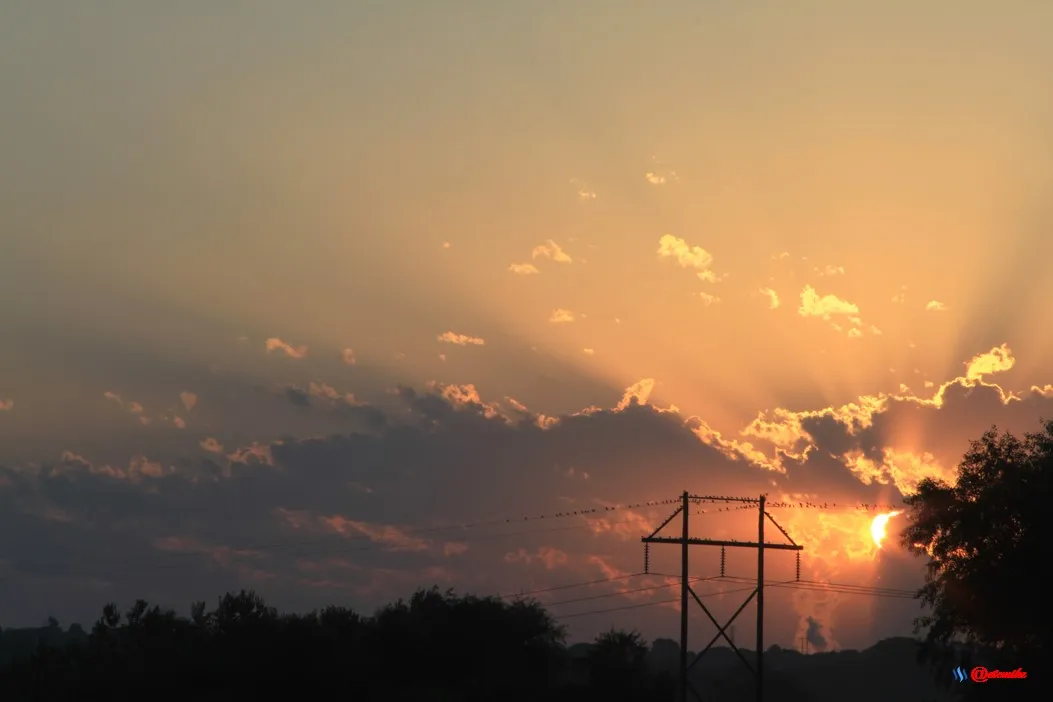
{"x":437,"y":646}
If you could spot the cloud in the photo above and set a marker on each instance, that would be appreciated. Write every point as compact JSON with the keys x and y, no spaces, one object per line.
{"x":371,"y":510}
{"x":460,"y":339}
{"x":188,"y":399}
{"x":7,"y":405}
{"x":523,"y":268}
{"x":550,"y":557}
{"x":686,"y":256}
{"x":276,"y":344}
{"x":935,"y":306}
{"x":825,"y":307}
{"x":584,"y":192}
{"x":348,"y":356}
{"x":654,"y":178}
{"x":708,"y":299}
{"x":561,"y":316}
{"x":445,"y":244}
{"x":830,"y":270}
{"x":211,"y":445}
{"x":637,"y":393}
{"x":551,"y":250}
{"x":997,"y":360}
{"x":900,"y":297}
{"x":773,"y":297}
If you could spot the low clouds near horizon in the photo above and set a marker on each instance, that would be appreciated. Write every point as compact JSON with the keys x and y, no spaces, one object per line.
{"x":344,"y":511}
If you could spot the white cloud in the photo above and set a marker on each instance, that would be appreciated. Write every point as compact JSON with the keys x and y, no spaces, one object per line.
{"x":522,"y":268}
{"x":588,"y":352}
{"x":654,"y":178}
{"x":830,"y":270}
{"x":935,"y":306}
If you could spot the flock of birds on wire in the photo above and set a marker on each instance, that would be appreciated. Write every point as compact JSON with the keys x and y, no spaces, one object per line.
{"x":750,"y":504}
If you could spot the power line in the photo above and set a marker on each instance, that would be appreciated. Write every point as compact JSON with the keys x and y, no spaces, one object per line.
{"x":838,"y":588}
{"x":624,"y":592}
{"x":651,"y":604}
{"x":568,"y":586}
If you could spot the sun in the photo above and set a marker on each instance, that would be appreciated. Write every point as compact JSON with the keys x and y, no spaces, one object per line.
{"x":878,"y":527}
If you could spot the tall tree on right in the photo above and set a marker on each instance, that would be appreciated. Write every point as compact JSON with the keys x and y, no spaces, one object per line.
{"x":988,"y":539}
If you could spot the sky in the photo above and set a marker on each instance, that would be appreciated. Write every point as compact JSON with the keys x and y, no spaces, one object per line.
{"x":292,"y":292}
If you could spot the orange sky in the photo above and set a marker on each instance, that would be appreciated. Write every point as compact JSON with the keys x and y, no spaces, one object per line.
{"x":343,"y":272}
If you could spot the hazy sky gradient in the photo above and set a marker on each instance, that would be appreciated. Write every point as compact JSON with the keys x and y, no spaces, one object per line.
{"x":181,"y":182}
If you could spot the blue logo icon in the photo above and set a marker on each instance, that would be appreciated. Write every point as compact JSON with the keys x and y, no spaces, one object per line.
{"x":959,"y":674}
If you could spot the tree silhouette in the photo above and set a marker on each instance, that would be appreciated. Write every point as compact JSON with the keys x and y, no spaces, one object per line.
{"x":436,"y":646}
{"x":985,"y":538}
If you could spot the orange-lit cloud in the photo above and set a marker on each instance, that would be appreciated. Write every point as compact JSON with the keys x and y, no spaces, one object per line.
{"x":450,"y":337}
{"x":683,"y":254}
{"x":523,"y":269}
{"x":551,"y":250}
{"x":825,"y":307}
{"x":276,"y":344}
{"x":772,"y":296}
{"x":561,"y":316}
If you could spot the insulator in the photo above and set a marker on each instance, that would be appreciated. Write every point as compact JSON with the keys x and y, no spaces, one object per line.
{"x":647,"y":559}
{"x":798,"y":566}
{"x":723,"y":554}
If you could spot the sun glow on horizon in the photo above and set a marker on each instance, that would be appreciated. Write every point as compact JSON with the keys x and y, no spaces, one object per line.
{"x":879,"y":527}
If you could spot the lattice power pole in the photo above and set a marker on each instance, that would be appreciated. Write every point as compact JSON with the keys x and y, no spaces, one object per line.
{"x":685,"y":542}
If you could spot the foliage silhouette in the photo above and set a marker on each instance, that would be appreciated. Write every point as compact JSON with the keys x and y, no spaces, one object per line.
{"x":985,"y":538}
{"x":436,"y":646}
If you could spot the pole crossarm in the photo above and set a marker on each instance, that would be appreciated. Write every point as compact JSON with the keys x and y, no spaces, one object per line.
{"x":662,"y":525}
{"x":777,"y":526}
{"x":717,"y":542}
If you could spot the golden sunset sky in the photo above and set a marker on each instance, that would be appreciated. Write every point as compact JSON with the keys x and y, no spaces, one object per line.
{"x":284,"y":283}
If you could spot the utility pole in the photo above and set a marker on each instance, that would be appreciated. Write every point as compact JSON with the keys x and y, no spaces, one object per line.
{"x":684,"y":589}
{"x":685,"y":540}
{"x":760,"y":599}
